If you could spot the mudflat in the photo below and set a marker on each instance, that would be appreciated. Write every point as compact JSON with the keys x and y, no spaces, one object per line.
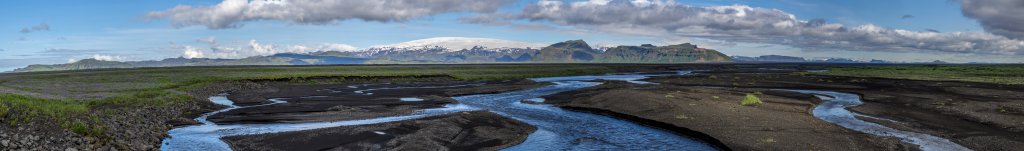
{"x":349,"y":101}
{"x":476,"y":130}
{"x":979,"y":116}
{"x":784,"y":122}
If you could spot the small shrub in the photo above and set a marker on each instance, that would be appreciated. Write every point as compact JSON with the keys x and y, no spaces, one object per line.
{"x":682,"y":117}
{"x":77,"y":127}
{"x":3,"y":110}
{"x":751,"y":99}
{"x":715,"y":97}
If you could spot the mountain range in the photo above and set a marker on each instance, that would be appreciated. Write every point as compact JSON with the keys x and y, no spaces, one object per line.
{"x":438,"y":50}
{"x":792,"y":59}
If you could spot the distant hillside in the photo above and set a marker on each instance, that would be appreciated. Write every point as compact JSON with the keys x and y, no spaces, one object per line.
{"x":428,"y":52}
{"x":460,"y":43}
{"x":568,"y":51}
{"x":278,"y":59}
{"x":580,"y":51}
{"x":792,"y":59}
{"x":769,"y":58}
{"x":81,"y":64}
{"x":648,"y":53}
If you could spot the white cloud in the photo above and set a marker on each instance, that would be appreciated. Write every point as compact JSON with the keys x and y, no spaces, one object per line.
{"x":232,"y":13}
{"x":1000,"y":17}
{"x":102,"y":58}
{"x":254,"y":48}
{"x":192,"y":52}
{"x":739,"y":23}
{"x":337,"y":47}
{"x":109,"y":57}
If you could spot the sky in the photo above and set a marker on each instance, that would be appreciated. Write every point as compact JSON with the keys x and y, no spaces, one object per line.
{"x":62,"y":31}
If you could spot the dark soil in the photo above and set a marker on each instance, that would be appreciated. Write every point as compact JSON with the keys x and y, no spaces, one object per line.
{"x":783,"y":123}
{"x":477,"y":130}
{"x":979,"y":116}
{"x":334,"y":102}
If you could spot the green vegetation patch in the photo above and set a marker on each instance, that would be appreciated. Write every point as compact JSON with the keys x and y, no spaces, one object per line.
{"x":15,"y":109}
{"x":750,"y":100}
{"x":79,"y":116}
{"x":76,"y":115}
{"x":997,"y":74}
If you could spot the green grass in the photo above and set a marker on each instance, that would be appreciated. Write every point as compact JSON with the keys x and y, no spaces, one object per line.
{"x":998,"y":74}
{"x":114,"y":88}
{"x":15,"y":109}
{"x":183,"y":78}
{"x":72,"y":114}
{"x":750,"y":100}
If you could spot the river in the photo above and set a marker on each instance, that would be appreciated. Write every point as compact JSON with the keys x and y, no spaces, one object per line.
{"x":557,"y":129}
{"x":833,"y":110}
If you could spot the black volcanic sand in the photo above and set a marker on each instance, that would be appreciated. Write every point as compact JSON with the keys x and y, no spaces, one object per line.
{"x":976,"y":115}
{"x":477,"y":130}
{"x":335,"y":102}
{"x":783,"y":123}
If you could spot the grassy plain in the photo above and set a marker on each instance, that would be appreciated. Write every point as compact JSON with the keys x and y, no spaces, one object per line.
{"x":998,"y":74}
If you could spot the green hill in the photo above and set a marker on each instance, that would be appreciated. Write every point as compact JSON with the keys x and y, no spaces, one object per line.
{"x":647,"y":53}
{"x":568,"y":51}
{"x":78,"y":65}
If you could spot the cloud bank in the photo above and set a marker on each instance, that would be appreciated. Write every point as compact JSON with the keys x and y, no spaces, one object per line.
{"x":40,"y":27}
{"x":739,"y":23}
{"x":67,"y":52}
{"x":254,"y":48}
{"x":232,"y":13}
{"x":102,"y":58}
{"x":1000,"y":17}
{"x":208,"y":40}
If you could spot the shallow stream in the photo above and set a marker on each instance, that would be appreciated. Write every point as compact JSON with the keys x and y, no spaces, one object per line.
{"x":558,"y":129}
{"x":833,"y":110}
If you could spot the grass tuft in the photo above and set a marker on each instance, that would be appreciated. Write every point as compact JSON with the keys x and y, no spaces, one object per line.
{"x":750,"y":100}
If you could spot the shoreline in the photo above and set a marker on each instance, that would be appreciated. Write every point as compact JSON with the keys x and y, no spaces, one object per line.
{"x":686,"y":132}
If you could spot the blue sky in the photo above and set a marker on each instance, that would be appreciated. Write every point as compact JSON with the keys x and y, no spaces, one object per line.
{"x":121,"y":30}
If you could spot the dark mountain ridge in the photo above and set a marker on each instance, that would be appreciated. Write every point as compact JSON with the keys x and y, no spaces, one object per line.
{"x":572,"y":51}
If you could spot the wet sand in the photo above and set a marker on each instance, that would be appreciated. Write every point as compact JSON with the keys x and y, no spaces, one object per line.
{"x":976,"y":115}
{"x":335,"y":102}
{"x":783,"y":123}
{"x":476,"y":130}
